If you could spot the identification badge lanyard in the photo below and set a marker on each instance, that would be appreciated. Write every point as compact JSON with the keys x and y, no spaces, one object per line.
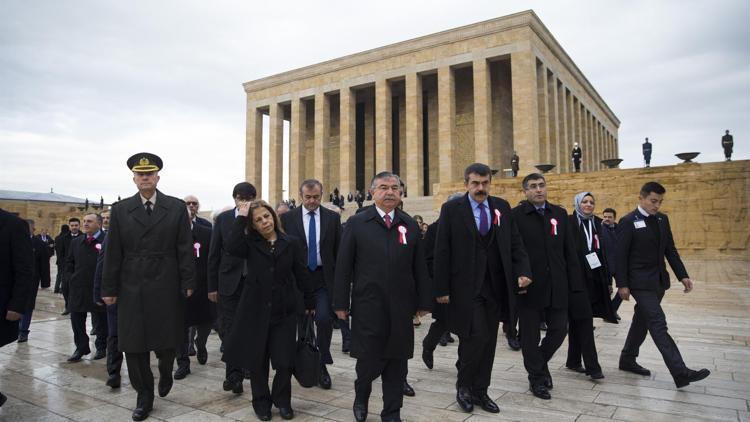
{"x":591,"y":257}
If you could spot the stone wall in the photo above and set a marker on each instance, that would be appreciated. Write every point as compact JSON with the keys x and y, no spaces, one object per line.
{"x":707,"y":203}
{"x":46,"y":215}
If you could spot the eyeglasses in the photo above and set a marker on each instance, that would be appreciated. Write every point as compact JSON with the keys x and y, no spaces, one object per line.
{"x":191,"y":202}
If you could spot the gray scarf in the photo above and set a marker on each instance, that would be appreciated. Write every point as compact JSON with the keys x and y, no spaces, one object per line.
{"x":577,"y":204}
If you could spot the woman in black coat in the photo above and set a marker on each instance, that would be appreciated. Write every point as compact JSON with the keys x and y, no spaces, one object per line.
{"x":266,"y":319}
{"x":594,"y":300}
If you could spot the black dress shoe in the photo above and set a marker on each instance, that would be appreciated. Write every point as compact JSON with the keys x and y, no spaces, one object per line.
{"x":264,"y":416}
{"x":595,"y":375}
{"x":691,"y":376}
{"x":464,"y":399}
{"x":543,"y":326}
{"x":513,"y":343}
{"x":449,"y":337}
{"x":165,"y":384}
{"x":77,"y":355}
{"x":345,"y":346}
{"x":100,"y":354}
{"x":427,"y":358}
{"x":65,"y":312}
{"x":578,"y":369}
{"x":140,"y":414}
{"x":286,"y":413}
{"x":486,"y":403}
{"x":408,"y":391}
{"x":360,"y":411}
{"x":181,"y":372}
{"x":541,"y":391}
{"x":443,"y":342}
{"x":92,"y":332}
{"x":144,"y":406}
{"x":113,"y":381}
{"x":2,"y":399}
{"x":233,"y":386}
{"x":23,"y":338}
{"x":634,"y":368}
{"x":325,"y":379}
{"x":548,"y":382}
{"x":202,"y":355}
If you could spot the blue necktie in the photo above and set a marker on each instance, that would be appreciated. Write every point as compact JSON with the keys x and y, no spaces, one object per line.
{"x":484,"y":227}
{"x":312,"y":244}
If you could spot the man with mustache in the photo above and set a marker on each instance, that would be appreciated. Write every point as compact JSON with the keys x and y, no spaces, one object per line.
{"x":480,"y":268}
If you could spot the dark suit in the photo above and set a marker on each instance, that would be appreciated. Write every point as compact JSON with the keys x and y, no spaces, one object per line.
{"x":80,"y":266}
{"x":268,"y":308}
{"x":323,"y":276}
{"x":647,"y":148}
{"x":438,"y":326}
{"x":555,"y":272}
{"x":148,"y":266}
{"x":49,"y":242}
{"x":226,"y":275}
{"x":39,"y":278}
{"x":202,"y":221}
{"x":15,"y":272}
{"x":576,"y":155}
{"x":727,"y":142}
{"x":480,"y":274}
{"x":62,"y":247}
{"x":643,"y":243}
{"x":199,"y":311}
{"x":114,"y":355}
{"x":388,"y":283}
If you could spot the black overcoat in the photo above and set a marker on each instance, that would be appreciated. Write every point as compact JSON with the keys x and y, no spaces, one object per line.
{"x":388,"y":283}
{"x":224,"y":269}
{"x":438,"y":309}
{"x":457,"y":272}
{"x":148,"y":265}
{"x":596,"y":281}
{"x":285,"y":271}
{"x":640,"y":255}
{"x":39,"y":271}
{"x":199,"y":309}
{"x":554,"y":263}
{"x":15,"y":272}
{"x":80,"y":266}
{"x":330,"y":236}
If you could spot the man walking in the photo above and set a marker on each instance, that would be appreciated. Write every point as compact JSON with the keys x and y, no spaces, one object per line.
{"x":148,"y":270}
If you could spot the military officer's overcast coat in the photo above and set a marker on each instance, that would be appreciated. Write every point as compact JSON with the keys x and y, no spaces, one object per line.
{"x":389,"y":283}
{"x":148,"y":264}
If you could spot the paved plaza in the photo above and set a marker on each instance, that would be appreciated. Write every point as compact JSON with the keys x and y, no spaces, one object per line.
{"x":710,"y":325}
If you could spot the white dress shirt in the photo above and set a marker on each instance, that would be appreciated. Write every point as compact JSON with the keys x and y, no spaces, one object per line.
{"x":306,"y":223}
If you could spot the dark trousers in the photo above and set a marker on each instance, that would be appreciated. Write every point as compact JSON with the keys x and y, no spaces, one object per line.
{"x":202,"y":332}
{"x":577,"y":165}
{"x":650,"y":318}
{"x":281,"y":339}
{"x":59,"y":277}
{"x":23,"y":326}
{"x":114,"y":356}
{"x":139,"y":369}
{"x":616,"y":301}
{"x":509,"y":327}
{"x":581,"y":343}
{"x":536,"y":356}
{"x":227,"y":309}
{"x":476,"y":352}
{"x":392,"y":373}
{"x":324,"y":316}
{"x":81,"y":338}
{"x":436,"y":331}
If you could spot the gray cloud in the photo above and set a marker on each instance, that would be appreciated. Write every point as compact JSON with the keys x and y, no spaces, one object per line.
{"x":84,"y":84}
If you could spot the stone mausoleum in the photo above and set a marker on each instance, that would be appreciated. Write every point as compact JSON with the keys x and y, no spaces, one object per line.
{"x":427,"y":107}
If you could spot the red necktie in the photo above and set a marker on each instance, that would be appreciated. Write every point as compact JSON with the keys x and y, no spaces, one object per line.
{"x":387,"y":219}
{"x":89,"y":239}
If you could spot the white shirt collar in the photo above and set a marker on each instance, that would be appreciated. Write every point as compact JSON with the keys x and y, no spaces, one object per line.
{"x":643,"y":212}
{"x":382,"y":213}
{"x":152,"y":199}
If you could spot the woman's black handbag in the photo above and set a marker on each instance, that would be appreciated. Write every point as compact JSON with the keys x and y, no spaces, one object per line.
{"x":307,"y":358}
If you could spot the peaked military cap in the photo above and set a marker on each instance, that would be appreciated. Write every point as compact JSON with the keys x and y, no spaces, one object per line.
{"x":145,"y":162}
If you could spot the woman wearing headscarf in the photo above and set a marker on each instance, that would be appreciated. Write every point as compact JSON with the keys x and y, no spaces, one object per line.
{"x":593,"y":301}
{"x":277,"y":277}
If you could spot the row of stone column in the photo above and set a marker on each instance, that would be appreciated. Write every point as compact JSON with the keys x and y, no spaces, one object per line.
{"x":564,"y":120}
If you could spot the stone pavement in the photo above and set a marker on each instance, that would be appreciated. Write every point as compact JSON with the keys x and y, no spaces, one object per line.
{"x":711,"y":326}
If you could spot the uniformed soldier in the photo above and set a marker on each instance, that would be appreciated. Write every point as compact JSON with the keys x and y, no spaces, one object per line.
{"x":148,"y":270}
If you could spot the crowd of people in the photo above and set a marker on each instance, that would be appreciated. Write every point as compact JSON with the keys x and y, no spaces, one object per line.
{"x":156,"y":277}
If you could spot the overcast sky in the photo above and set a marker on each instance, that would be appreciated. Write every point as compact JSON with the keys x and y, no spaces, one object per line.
{"x":85,"y":84}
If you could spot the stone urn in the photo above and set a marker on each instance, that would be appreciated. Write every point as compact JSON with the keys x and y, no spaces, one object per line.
{"x":612,"y":163}
{"x":544,"y":168}
{"x":687,"y":157}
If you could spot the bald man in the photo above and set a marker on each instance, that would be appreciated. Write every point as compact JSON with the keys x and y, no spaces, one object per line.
{"x":193,"y":205}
